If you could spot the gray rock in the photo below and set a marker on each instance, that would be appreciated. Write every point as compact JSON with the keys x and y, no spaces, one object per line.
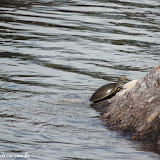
{"x":136,"y":109}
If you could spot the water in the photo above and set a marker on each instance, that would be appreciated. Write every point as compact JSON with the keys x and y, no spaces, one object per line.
{"x":53,"y":55}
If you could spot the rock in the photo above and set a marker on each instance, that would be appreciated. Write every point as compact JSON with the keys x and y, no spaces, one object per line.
{"x":136,"y":109}
{"x":127,"y":86}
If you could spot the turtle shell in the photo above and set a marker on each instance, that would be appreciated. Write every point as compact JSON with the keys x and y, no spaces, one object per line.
{"x":104,"y":91}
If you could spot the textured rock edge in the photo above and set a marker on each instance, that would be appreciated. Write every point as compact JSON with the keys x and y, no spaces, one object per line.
{"x":136,"y":110}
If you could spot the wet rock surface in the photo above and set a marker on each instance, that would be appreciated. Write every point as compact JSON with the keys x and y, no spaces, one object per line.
{"x":136,"y":109}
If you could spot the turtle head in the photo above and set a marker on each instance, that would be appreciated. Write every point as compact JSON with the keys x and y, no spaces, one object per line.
{"x":122,"y":78}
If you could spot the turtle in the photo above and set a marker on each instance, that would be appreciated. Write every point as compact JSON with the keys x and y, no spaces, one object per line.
{"x":107,"y":90}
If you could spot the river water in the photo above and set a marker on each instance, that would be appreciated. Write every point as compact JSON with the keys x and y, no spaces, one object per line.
{"x":53,"y":56}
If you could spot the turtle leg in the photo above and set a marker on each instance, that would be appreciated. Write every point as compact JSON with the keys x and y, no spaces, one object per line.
{"x":120,"y":87}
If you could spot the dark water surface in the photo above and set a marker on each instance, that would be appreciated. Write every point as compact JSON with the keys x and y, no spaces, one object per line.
{"x":53,"y":55}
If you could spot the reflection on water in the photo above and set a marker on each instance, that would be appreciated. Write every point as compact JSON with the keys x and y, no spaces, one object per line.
{"x":53,"y":55}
